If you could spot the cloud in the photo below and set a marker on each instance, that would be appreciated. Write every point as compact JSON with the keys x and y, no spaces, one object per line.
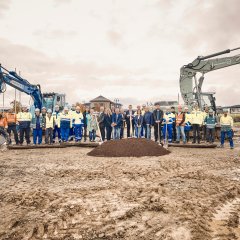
{"x":114,"y":37}
{"x":55,"y":34}
{"x":131,"y":50}
{"x":4,"y":5}
{"x":59,"y":2}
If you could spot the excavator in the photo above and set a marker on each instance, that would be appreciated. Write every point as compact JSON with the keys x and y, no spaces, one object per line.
{"x":48,"y":100}
{"x":191,"y":87}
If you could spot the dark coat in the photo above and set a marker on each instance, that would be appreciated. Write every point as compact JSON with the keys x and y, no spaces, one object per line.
{"x":101,"y":121}
{"x":138,"y":121}
{"x":117,"y":118}
{"x":155,"y":116}
{"x":148,"y":118}
{"x":108,"y":120}
{"x":127,"y":117}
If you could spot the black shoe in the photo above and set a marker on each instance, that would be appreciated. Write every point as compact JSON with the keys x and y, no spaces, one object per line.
{"x":193,"y":142}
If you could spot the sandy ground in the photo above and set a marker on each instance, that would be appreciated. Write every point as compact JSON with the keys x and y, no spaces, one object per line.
{"x":65,"y":194}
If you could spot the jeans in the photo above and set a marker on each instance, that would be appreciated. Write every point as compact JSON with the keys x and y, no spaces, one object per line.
{"x":148,"y":131}
{"x":138,"y":131}
{"x":210,"y":134}
{"x":37,"y":136}
{"x":196,"y":132}
{"x":65,"y":134}
{"x":92,"y":135}
{"x":12,"y":128}
{"x":229,"y":135}
{"x":109,"y":132}
{"x":58,"y":131}
{"x":4,"y":134}
{"x":116,"y":133}
{"x":169,"y":129}
{"x":78,"y":132}
{"x":49,"y":135}
{"x":180,"y":129}
{"x":26,"y":132}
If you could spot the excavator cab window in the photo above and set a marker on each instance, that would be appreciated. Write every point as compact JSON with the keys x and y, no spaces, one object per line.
{"x":48,"y":102}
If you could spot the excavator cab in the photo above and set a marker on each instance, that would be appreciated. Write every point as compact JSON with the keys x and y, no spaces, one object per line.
{"x":50,"y":100}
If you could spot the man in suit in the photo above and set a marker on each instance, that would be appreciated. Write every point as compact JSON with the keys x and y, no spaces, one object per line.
{"x":101,"y":122}
{"x":157,"y":119}
{"x":129,"y":121}
{"x":123,"y":123}
{"x":116,"y":123}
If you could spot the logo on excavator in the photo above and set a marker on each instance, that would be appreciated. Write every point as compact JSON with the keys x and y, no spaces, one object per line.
{"x":16,"y":84}
{"x":228,"y":62}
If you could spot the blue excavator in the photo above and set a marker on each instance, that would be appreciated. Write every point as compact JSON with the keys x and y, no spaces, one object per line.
{"x":48,"y":100}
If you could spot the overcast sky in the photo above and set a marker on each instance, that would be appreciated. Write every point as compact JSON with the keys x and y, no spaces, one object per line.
{"x":126,"y":49}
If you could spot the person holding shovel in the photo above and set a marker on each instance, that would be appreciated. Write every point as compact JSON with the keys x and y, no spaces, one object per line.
{"x":138,"y":122}
{"x":129,"y":121}
{"x":168,"y":120}
{"x":157,"y":119}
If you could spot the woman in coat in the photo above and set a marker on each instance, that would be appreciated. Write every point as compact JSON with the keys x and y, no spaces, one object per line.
{"x":138,"y":122}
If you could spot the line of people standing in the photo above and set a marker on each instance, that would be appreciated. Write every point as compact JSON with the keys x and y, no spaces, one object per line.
{"x":110,"y":124}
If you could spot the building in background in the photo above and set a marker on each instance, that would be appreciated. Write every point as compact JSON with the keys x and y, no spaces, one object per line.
{"x":165,"y":104}
{"x":101,"y":101}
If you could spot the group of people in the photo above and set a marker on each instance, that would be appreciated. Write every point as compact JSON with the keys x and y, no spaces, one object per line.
{"x":110,"y":123}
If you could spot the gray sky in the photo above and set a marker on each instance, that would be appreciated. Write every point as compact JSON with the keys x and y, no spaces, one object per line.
{"x":126,"y":49}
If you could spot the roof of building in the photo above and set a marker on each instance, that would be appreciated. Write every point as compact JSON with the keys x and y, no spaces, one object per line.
{"x":100,"y":99}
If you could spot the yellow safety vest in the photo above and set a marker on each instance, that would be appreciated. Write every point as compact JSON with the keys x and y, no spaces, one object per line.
{"x":49,"y":122}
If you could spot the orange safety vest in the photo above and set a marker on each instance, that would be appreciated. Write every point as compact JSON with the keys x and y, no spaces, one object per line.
{"x":11,"y":117}
{"x":3,"y":123}
{"x":179,"y":118}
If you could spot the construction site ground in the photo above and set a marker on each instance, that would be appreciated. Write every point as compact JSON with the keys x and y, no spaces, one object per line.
{"x":66,"y":194}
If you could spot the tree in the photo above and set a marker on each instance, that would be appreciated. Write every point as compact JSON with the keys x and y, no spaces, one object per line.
{"x":16,"y":105}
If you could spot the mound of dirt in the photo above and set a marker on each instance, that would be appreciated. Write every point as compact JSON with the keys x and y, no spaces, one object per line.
{"x":131,"y":147}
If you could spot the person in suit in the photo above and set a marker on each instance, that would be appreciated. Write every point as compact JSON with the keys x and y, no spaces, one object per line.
{"x":108,"y":123}
{"x":157,"y":119}
{"x":101,"y":122}
{"x":130,"y":121}
{"x":116,"y":123}
{"x":147,"y":122}
{"x":123,"y":123}
{"x":138,"y":123}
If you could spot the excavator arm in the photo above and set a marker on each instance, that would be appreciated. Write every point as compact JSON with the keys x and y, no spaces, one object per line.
{"x":191,"y":87}
{"x":12,"y":79}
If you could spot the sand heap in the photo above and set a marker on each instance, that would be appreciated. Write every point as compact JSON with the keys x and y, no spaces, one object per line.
{"x":130,"y":147}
